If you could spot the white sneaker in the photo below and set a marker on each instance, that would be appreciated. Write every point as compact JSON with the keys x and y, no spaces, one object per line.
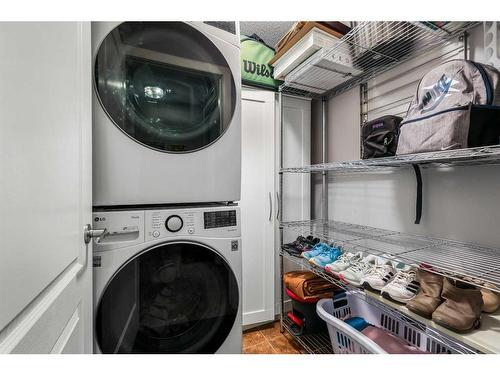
{"x":343,"y":262}
{"x":355,"y":273}
{"x":403,"y":287}
{"x":379,"y":275}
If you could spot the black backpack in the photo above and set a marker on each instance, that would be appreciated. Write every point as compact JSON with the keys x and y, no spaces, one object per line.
{"x":379,"y":137}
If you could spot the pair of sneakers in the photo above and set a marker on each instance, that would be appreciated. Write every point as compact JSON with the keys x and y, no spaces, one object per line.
{"x":322,"y":254}
{"x":300,"y":245}
{"x":404,"y":286}
{"x":393,"y":280}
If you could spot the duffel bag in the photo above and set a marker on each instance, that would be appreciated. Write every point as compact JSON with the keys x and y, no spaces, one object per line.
{"x":457,"y":105}
{"x":255,"y":68}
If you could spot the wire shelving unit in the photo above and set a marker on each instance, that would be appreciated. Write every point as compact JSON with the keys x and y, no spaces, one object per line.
{"x":373,"y":48}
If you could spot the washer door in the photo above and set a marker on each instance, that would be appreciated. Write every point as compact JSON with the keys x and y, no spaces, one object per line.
{"x":165,"y":84}
{"x":173,"y":298}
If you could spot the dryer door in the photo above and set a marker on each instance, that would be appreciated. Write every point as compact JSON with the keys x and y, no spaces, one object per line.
{"x":165,"y":84}
{"x":174,"y":298}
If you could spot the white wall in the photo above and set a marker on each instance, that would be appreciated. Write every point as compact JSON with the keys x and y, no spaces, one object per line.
{"x":462,"y":204}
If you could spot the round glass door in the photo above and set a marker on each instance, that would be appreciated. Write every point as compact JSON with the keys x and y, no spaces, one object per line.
{"x":173,"y":298}
{"x":165,"y":85}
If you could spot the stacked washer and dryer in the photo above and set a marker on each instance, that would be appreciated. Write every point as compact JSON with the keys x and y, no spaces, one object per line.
{"x":167,"y":174}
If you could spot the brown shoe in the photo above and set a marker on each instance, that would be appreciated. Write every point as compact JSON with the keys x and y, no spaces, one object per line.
{"x":429,"y":297}
{"x":461,"y":309}
{"x":491,"y":299}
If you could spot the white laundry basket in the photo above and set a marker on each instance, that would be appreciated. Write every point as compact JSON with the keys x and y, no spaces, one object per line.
{"x":347,"y":340}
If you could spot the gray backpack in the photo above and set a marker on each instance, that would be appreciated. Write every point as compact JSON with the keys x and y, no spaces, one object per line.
{"x":457,"y":105}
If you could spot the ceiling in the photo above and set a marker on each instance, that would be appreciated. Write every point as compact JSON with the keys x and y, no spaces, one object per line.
{"x":271,"y":32}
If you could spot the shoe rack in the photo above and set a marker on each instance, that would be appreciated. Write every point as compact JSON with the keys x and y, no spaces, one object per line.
{"x":452,"y":259}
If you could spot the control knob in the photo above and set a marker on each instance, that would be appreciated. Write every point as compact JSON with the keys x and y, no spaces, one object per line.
{"x":174,"y":223}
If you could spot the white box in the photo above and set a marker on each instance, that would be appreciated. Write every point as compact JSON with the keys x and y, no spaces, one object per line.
{"x":313,"y":41}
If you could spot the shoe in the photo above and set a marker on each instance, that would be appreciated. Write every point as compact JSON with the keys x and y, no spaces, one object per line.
{"x":343,"y":262}
{"x":355,"y":273}
{"x":491,"y":299}
{"x":461,"y":309}
{"x":403,"y":287}
{"x":316,"y":250}
{"x":429,"y":296}
{"x":300,"y":245}
{"x":379,"y":275}
{"x":329,"y":255}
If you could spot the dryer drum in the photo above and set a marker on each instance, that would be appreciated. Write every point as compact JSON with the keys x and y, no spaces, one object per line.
{"x":175,"y":298}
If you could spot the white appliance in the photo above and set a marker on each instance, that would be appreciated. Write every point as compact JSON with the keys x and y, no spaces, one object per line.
{"x":166,"y":118}
{"x":168,"y":281}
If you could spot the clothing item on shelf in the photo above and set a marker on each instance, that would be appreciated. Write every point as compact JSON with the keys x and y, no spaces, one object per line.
{"x":390,"y":343}
{"x":328,"y":255}
{"x":343,"y":262}
{"x":491,"y":299}
{"x":404,"y":286}
{"x":300,"y":245}
{"x":378,"y":275}
{"x":461,"y":309}
{"x":315,"y":250}
{"x":429,"y":296}
{"x":357,"y":323}
{"x":307,"y":286}
{"x":355,"y":273}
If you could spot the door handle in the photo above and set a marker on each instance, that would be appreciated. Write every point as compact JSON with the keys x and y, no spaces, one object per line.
{"x":89,"y":233}
{"x":278,"y":205}
{"x":270,"y":207}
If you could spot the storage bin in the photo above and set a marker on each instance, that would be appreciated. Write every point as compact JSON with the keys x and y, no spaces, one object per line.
{"x":347,"y":340}
{"x":304,"y":314}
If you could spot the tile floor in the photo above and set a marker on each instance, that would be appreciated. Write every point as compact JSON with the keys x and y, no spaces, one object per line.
{"x":269,"y":340}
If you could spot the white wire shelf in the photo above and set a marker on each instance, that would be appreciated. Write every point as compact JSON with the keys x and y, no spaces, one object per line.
{"x":489,"y":155}
{"x":372,"y":48}
{"x":474,"y":263}
{"x":398,"y":312}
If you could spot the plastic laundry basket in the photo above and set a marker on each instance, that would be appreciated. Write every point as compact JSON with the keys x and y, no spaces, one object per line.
{"x":347,"y":340}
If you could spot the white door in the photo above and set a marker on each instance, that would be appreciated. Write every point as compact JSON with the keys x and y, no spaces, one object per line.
{"x":258,"y":208}
{"x":45,"y":187}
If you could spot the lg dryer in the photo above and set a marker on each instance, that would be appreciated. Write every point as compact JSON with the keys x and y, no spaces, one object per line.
{"x":166,"y":119}
{"x":168,"y":281}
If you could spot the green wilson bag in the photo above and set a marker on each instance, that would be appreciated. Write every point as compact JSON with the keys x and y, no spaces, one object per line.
{"x":255,"y":70}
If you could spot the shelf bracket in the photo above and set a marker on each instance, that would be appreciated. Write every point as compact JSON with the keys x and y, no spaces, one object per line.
{"x":418,"y":205}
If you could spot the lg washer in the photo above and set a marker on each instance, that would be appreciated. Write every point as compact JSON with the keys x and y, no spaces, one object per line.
{"x":166,"y":113}
{"x":168,"y":281}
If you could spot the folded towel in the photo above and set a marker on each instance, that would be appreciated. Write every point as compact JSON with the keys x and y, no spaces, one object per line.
{"x":307,"y":285}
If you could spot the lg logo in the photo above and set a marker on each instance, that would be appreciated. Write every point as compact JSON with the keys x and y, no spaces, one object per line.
{"x":97,"y":219}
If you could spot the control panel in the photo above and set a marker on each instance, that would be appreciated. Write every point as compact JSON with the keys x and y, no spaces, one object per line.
{"x":202,"y":222}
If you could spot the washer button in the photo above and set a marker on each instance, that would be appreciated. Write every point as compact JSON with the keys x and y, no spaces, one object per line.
{"x":156,"y":233}
{"x":190,"y":230}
